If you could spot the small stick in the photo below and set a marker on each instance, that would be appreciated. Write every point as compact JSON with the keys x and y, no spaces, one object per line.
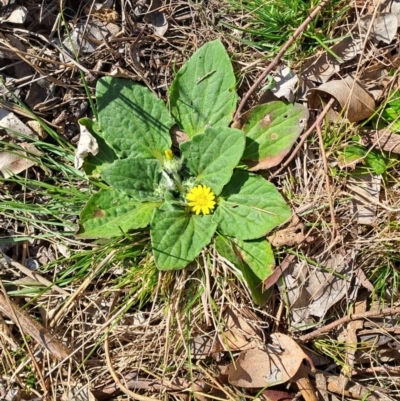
{"x":303,"y":138}
{"x":327,"y":183}
{"x":277,"y":58}
{"x":356,"y":316}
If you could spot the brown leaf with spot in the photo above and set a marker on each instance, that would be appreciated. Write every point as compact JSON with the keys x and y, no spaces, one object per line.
{"x":292,"y":235}
{"x":276,"y":364}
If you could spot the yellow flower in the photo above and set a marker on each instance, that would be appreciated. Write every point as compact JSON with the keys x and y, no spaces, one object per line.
{"x":202,"y":199}
{"x":168,"y":154}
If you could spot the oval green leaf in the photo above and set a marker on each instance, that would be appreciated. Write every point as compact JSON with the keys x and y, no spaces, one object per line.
{"x":134,"y":121}
{"x":271,"y":130}
{"x":203,"y":92}
{"x":178,"y":237}
{"x":228,"y":250}
{"x":212,"y":156}
{"x":138,"y":178}
{"x":110,"y":213}
{"x":249,"y":207}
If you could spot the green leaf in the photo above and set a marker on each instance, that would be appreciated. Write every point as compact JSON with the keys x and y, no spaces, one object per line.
{"x":258,"y":254}
{"x":212,"y":156}
{"x":139,"y":178}
{"x":178,"y":237}
{"x":203,"y":92}
{"x":228,"y":250}
{"x":271,"y":130}
{"x":133,"y":120}
{"x":94,"y":165}
{"x":109,"y":213}
{"x":249,"y":207}
{"x":372,"y":159}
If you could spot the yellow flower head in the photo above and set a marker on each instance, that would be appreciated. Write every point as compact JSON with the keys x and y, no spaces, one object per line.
{"x":168,"y":154}
{"x":201,"y":199}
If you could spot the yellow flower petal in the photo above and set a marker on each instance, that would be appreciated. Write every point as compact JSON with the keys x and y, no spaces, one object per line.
{"x":201,"y":199}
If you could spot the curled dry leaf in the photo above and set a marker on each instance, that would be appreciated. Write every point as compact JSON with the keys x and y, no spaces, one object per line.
{"x":321,"y":67}
{"x":382,"y":28}
{"x":292,"y":235}
{"x":240,"y":334}
{"x":156,"y":18}
{"x":87,"y":144}
{"x":353,"y":99}
{"x":285,"y":84}
{"x":258,"y":368}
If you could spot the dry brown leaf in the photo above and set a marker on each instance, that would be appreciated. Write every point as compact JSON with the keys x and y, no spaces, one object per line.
{"x":18,"y":161}
{"x":156,"y":19}
{"x":87,"y":144}
{"x":368,"y":186}
{"x":178,"y":137}
{"x":240,"y":335}
{"x":325,"y":288}
{"x":383,"y":139}
{"x":320,"y":68}
{"x":13,"y":125}
{"x":202,"y":347}
{"x":276,"y":364}
{"x":354,"y":100}
{"x":291,"y":236}
{"x":277,"y":395}
{"x":383,"y":29}
{"x":315,"y":292}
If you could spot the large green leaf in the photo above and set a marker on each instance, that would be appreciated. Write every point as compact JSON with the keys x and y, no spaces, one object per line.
{"x":212,"y":156}
{"x":271,"y":130}
{"x":137,"y":177}
{"x":203,"y":92}
{"x":178,"y":236}
{"x":228,"y":250}
{"x":258,"y":254}
{"x":249,"y":207}
{"x":95,"y":164}
{"x":109,"y":213}
{"x":133,"y":120}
